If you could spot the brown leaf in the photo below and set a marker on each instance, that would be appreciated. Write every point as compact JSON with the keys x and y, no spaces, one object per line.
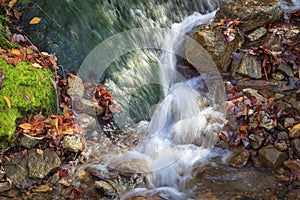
{"x":31,"y":68}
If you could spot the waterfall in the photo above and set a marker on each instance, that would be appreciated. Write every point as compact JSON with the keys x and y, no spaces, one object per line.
{"x":181,"y":131}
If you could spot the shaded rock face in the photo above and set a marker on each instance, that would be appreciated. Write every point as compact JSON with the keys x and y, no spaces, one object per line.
{"x":252,"y":14}
{"x":40,"y":165}
{"x":272,"y":157}
{"x":213,"y":41}
{"x":250,"y":66}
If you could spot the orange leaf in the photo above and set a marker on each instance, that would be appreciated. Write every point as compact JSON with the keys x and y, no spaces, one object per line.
{"x":7,"y":101}
{"x":31,"y":68}
{"x":15,"y":52}
{"x":68,"y":131}
{"x":25,"y":126}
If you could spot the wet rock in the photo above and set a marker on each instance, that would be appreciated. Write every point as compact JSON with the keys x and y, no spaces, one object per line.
{"x":28,"y":141}
{"x":39,"y":165}
{"x":4,"y":186}
{"x":252,"y":14}
{"x":296,"y":146}
{"x":272,"y":157}
{"x":72,"y":143}
{"x":86,"y":122}
{"x":106,"y":188}
{"x":295,"y":131}
{"x":250,"y":67}
{"x":212,"y":41}
{"x":130,"y":167}
{"x":76,"y":88}
{"x":282,"y":135}
{"x":256,"y":140}
{"x":257,"y":34}
{"x":273,"y":42}
{"x":87,"y":106}
{"x":16,"y":169}
{"x":82,"y":175}
{"x":288,"y":122}
{"x":257,"y":84}
{"x":99,"y":171}
{"x":281,"y":145}
{"x":239,"y":158}
{"x":235,"y":65}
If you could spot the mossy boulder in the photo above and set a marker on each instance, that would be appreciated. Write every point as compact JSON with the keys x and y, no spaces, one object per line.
{"x":25,"y":91}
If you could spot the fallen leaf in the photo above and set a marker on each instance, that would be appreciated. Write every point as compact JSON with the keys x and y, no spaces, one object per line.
{"x":45,"y":54}
{"x":31,"y":68}
{"x":35,"y":20}
{"x":36,"y":65}
{"x":15,"y":52}
{"x":25,"y":126}
{"x":7,"y":101}
{"x":11,"y":3}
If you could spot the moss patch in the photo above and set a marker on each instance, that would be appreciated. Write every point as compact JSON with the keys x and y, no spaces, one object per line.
{"x":28,"y":92}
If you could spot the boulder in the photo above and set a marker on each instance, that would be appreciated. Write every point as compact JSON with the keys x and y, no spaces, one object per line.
{"x":239,"y":158}
{"x":250,"y":67}
{"x":272,"y":157}
{"x":72,"y":143}
{"x":212,"y":40}
{"x":252,"y":14}
{"x":40,"y":163}
{"x":76,"y":88}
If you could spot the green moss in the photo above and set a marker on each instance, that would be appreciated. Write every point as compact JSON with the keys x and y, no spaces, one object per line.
{"x":28,"y":92}
{"x":4,"y":43}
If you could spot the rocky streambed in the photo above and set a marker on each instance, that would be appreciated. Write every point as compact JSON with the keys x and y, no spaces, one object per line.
{"x":256,"y":47}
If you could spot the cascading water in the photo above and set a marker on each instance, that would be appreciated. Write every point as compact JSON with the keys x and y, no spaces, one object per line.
{"x":181,"y":132}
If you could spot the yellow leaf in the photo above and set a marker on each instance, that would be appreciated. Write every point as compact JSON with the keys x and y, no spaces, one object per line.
{"x":15,"y":52}
{"x":25,"y":126}
{"x":36,"y":65}
{"x":68,"y":131}
{"x":7,"y":101}
{"x":12,"y":3}
{"x":35,"y":20}
{"x":297,"y":126}
{"x":45,"y":54}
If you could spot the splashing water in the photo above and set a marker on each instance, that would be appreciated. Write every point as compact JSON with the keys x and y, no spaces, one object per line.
{"x":181,"y":131}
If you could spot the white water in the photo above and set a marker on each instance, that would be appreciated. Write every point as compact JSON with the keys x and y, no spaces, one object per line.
{"x":181,"y":132}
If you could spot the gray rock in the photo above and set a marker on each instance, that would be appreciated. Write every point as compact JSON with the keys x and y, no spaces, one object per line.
{"x":28,"y":141}
{"x":288,"y":122}
{"x":76,"y":88}
{"x":212,"y":41}
{"x":282,"y":135}
{"x":257,"y":34}
{"x":89,"y":107}
{"x":16,"y":169}
{"x":285,"y":68}
{"x":281,"y":145}
{"x":98,"y":170}
{"x":252,"y":14}
{"x":296,"y":146}
{"x":39,"y":165}
{"x":239,"y":158}
{"x":106,"y":188}
{"x":256,"y":140}
{"x":4,"y":186}
{"x":86,"y":122}
{"x":265,"y":122}
{"x":128,"y":168}
{"x":250,"y":66}
{"x":271,"y":157}
{"x":72,"y":143}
